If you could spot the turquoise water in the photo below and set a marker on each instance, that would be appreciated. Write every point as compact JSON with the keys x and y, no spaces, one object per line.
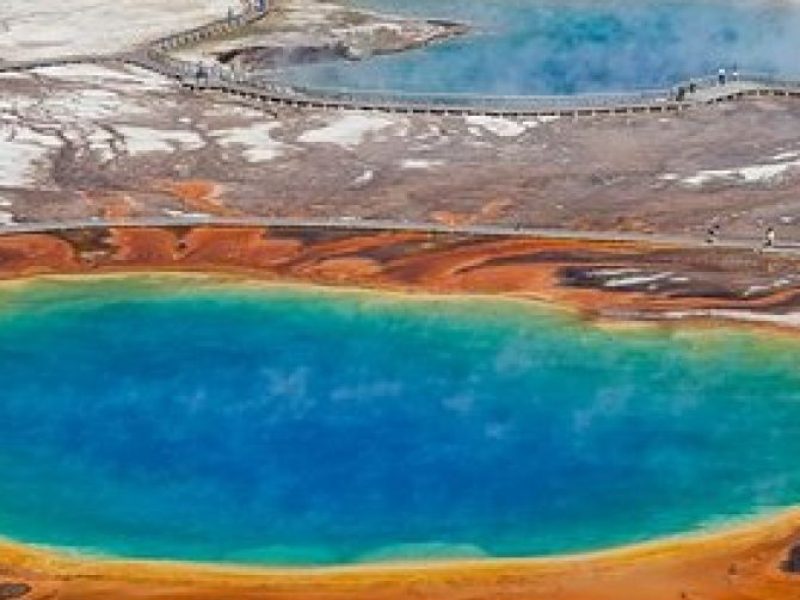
{"x":570,"y":46}
{"x":182,"y":418}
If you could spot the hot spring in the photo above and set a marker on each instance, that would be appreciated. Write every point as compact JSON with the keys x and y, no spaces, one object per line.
{"x":574,"y":46}
{"x":199,"y":419}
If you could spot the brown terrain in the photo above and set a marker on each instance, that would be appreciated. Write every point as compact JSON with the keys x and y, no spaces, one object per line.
{"x":621,"y":280}
{"x":86,"y":138}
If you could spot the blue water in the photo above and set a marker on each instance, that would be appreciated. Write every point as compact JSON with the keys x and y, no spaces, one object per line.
{"x":187,"y":419}
{"x":571,"y":46}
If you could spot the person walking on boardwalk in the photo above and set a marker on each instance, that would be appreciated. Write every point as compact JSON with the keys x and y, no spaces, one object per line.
{"x":722,"y":76}
{"x":201,"y":73}
{"x":712,"y":233}
{"x":769,"y":238}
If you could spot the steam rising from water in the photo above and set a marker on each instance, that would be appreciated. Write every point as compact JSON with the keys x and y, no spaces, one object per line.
{"x":547,"y":46}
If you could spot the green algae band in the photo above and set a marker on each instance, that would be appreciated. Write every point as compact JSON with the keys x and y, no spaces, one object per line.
{"x":186,"y":418}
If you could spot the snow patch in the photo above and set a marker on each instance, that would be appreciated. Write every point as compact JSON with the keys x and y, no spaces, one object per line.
{"x":100,"y":142}
{"x":777,"y":284}
{"x":144,"y":140}
{"x":791,"y":319}
{"x":786,"y":156}
{"x":21,"y":151}
{"x":613,"y":272}
{"x":636,"y":280}
{"x":80,"y":105}
{"x":420,"y":163}
{"x":759,"y":173}
{"x":86,"y":105}
{"x":365,"y":178}
{"x":497,"y":125}
{"x":186,"y":215}
{"x":128,"y":79}
{"x":256,"y":140}
{"x":13,"y":75}
{"x":346,"y":131}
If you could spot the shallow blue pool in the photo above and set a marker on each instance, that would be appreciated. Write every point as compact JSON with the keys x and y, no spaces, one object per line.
{"x":572,"y":46}
{"x":188,"y":419}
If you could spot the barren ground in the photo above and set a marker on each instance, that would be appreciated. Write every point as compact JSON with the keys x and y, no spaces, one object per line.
{"x":81,"y":141}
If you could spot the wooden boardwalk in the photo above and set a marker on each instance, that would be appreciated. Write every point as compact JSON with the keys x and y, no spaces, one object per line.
{"x":783,"y":248}
{"x":155,"y":57}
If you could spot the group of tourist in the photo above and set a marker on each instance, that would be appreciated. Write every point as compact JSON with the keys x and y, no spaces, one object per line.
{"x":724,"y":76}
{"x":770,"y":236}
{"x":259,"y":6}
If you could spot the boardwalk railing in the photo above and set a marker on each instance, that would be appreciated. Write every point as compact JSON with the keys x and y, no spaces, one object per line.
{"x":351,"y":224}
{"x":489,"y":102}
{"x":255,"y":86}
{"x":225,"y":25}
